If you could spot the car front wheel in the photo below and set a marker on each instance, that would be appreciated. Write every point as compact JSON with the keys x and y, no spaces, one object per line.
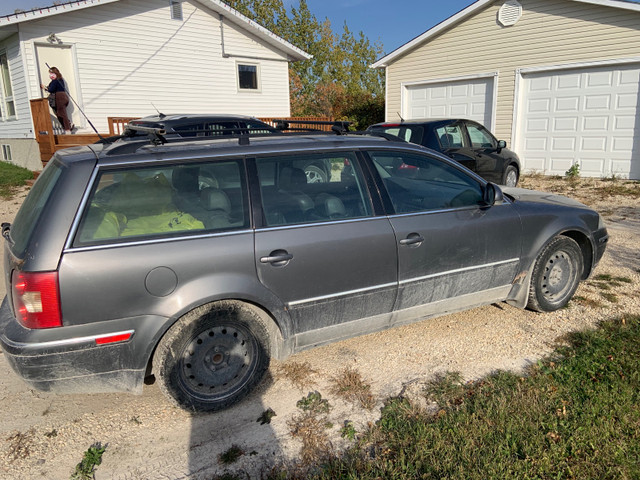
{"x":510,"y":176}
{"x":556,"y":275}
{"x":212,"y":357}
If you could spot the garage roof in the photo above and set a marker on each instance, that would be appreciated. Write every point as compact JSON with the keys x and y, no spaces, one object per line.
{"x":470,"y":10}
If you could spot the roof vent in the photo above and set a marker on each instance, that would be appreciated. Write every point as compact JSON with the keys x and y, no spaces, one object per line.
{"x":176,"y":9}
{"x":509,"y":13}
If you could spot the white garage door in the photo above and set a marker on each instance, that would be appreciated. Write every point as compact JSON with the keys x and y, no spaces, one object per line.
{"x":587,"y":116}
{"x":472,"y":99}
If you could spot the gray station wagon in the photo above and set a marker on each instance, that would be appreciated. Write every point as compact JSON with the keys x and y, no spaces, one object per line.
{"x":198,"y":260}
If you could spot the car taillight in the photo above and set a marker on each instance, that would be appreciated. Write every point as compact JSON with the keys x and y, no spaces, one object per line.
{"x":36,"y":299}
{"x":347,"y":162}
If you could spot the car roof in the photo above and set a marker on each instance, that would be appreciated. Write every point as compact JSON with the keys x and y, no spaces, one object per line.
{"x":422,"y":121}
{"x":181,"y":118}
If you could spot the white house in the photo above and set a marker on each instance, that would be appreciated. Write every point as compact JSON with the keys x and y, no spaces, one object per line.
{"x":123,"y":57}
{"x":558,"y":79}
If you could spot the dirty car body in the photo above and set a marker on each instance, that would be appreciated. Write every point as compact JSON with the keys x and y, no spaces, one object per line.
{"x":198,"y":261}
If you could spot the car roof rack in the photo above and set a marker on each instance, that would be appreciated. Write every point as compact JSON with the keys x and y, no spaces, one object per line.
{"x":338,"y":127}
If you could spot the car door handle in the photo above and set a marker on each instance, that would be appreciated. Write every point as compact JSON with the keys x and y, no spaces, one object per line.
{"x":277,"y":258}
{"x":412,"y":239}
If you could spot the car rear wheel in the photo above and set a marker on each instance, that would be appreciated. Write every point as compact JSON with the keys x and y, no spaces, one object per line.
{"x":315,"y":174}
{"x":510,"y":176}
{"x":556,"y":275}
{"x":213,"y":356}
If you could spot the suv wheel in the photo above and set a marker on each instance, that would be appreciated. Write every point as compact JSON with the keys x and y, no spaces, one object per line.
{"x":556,"y":275}
{"x":510,"y":176}
{"x":213,"y":356}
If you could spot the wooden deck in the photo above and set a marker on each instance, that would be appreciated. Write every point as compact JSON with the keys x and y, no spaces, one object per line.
{"x":51,"y":139}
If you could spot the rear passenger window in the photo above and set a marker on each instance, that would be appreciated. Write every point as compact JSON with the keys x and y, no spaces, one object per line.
{"x":312,"y":188}
{"x":449,"y":136}
{"x":156,"y":202}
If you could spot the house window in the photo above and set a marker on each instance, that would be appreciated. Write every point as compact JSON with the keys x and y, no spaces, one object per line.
{"x":6,"y":152}
{"x":176,"y":9}
{"x":247,"y":77}
{"x":8,"y":107}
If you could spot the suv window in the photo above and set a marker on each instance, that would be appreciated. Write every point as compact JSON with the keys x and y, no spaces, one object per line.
{"x":151,"y":202}
{"x":480,"y":137}
{"x":450,"y":136}
{"x":288,"y":198}
{"x":418,"y":183}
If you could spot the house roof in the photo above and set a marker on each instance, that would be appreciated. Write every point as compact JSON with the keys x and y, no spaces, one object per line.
{"x":9,"y":23}
{"x":470,"y":10}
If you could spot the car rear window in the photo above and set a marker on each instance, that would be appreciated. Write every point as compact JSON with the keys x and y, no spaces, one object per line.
{"x":31,"y":210}
{"x":408,"y":133}
{"x":151,"y":202}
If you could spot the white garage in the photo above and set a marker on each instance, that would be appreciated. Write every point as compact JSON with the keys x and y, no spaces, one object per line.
{"x":587,"y":115}
{"x":461,"y":98}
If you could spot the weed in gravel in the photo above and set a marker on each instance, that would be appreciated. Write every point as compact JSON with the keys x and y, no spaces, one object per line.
{"x":587,"y":302}
{"x":51,"y":434}
{"x":310,"y":429}
{"x":266,"y":416}
{"x":231,"y":455}
{"x":611,"y":297}
{"x":445,"y":389}
{"x":20,"y":444}
{"x":350,"y":386}
{"x":227,"y":476}
{"x":135,"y":419}
{"x":298,"y":373}
{"x":85,"y":470}
{"x":314,"y":403}
{"x":348,"y":430}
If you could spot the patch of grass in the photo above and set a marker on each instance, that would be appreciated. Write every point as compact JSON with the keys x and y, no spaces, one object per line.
{"x":300,"y":374}
{"x":266,"y":416}
{"x":231,"y":455}
{"x":350,"y":386}
{"x":11,"y":178}
{"x":587,"y":302}
{"x":311,"y":430}
{"x":348,"y":430}
{"x":85,"y":470}
{"x":574,"y":415}
{"x":611,"y":297}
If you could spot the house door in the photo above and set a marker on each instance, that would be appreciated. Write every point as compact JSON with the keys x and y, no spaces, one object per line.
{"x":61,"y":57}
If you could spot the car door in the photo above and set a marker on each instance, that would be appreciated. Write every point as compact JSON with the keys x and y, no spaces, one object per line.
{"x":453,"y":143}
{"x":321,"y":250}
{"x":489,"y":163}
{"x":453,"y":249}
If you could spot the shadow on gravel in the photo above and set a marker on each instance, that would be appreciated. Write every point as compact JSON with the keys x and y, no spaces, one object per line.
{"x":238,"y":441}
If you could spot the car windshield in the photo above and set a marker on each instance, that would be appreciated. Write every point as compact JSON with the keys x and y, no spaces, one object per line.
{"x":29,"y":214}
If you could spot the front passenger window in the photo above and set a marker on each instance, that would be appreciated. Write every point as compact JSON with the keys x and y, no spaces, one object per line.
{"x":417,"y":183}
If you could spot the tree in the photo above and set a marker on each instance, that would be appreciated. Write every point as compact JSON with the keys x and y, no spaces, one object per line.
{"x":337,"y":81}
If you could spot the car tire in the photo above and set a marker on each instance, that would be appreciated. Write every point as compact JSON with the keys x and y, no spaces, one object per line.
{"x":213,"y":356}
{"x":510,"y":176}
{"x":315,"y":174}
{"x":556,"y":275}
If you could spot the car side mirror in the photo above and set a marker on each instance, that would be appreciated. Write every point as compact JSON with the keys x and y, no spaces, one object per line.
{"x":501,"y":144}
{"x":493,"y":195}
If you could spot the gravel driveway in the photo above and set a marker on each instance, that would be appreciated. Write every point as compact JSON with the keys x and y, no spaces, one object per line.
{"x":45,"y":435}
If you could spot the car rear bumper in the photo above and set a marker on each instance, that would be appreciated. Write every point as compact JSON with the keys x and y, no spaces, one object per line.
{"x":71,"y":360}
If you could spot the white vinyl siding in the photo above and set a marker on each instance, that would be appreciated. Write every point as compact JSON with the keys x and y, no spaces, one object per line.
{"x":550,"y":32}
{"x":586,"y":116}
{"x":132,"y":54}
{"x":20,"y":125}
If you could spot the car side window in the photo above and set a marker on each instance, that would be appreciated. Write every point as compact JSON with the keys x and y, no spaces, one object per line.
{"x":450,"y":136}
{"x":290,"y":194}
{"x":152,"y":202}
{"x":417,"y":183}
{"x":480,"y":137}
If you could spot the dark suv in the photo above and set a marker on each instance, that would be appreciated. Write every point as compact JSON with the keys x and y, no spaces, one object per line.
{"x":465,"y":141}
{"x":199,"y":260}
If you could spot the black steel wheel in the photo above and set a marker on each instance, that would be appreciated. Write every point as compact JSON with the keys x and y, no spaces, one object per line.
{"x":213,"y":356}
{"x":556,"y":275}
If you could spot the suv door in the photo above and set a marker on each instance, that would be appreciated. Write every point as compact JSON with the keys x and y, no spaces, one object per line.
{"x":321,"y":250}
{"x":489,"y":163}
{"x":450,"y":244}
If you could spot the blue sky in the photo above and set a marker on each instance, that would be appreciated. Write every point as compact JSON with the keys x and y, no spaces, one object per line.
{"x":393,"y":23}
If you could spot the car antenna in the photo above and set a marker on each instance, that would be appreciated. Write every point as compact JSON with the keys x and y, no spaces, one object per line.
{"x":66,"y":90}
{"x":401,"y":119}
{"x":160,"y":114}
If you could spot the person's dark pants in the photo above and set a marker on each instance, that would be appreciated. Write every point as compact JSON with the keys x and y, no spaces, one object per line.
{"x":62,"y":102}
